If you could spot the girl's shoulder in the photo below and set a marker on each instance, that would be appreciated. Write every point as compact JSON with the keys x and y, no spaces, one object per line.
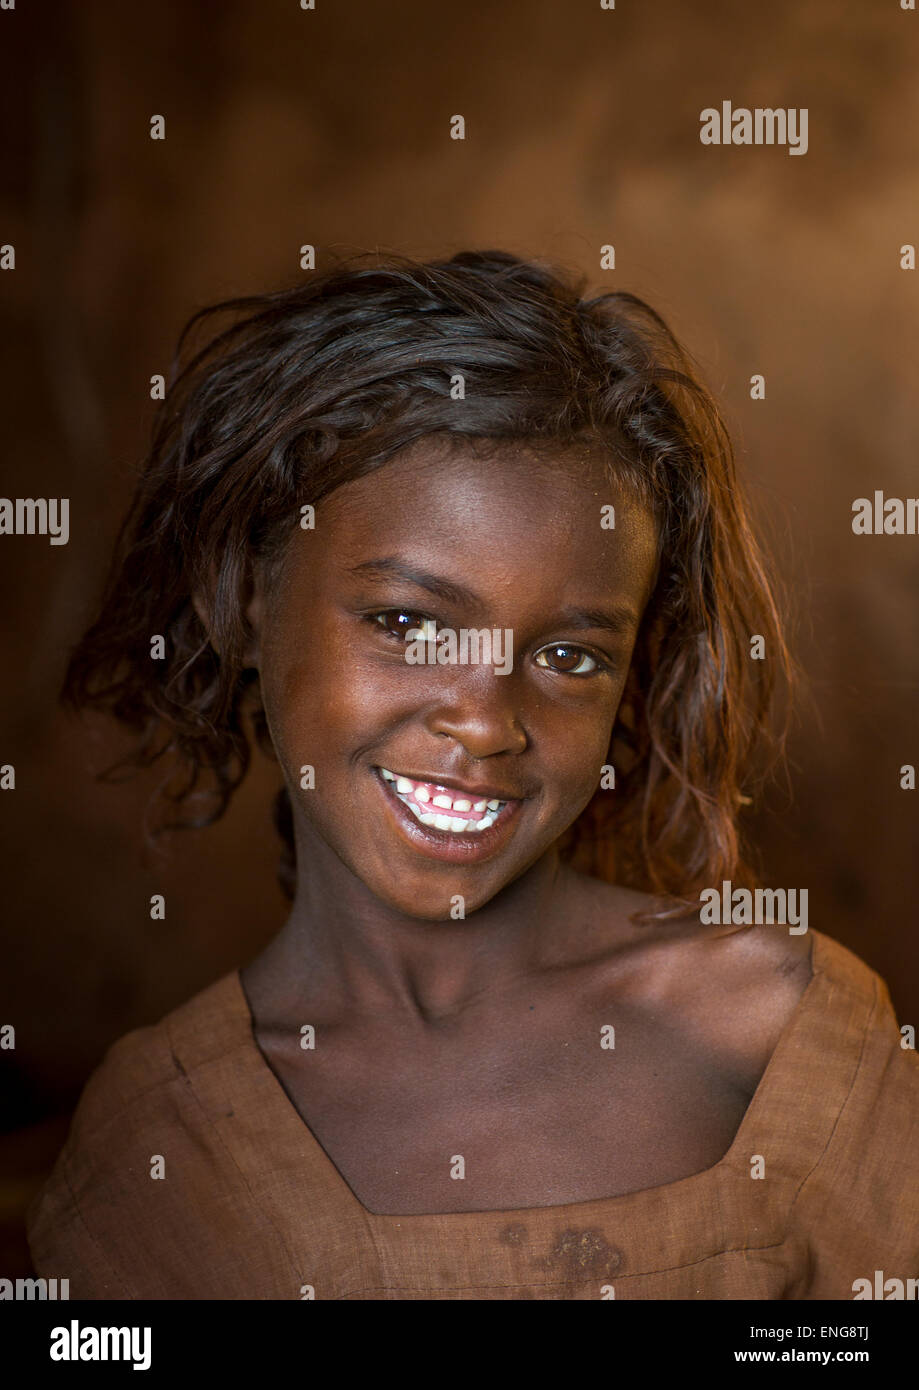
{"x":734,"y":956}
{"x":143,"y":1099}
{"x":743,"y":991}
{"x":145,"y":1164}
{"x":139,"y":1067}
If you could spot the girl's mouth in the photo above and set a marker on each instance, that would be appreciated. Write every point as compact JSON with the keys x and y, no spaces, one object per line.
{"x":447,"y":823}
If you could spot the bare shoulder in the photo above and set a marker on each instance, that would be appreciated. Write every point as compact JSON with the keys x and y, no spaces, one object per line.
{"x":747,"y":986}
{"x":734,"y":990}
{"x":768,"y":966}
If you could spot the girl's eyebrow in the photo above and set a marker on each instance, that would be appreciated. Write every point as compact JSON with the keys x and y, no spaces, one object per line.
{"x":618,"y":619}
{"x":392,"y":567}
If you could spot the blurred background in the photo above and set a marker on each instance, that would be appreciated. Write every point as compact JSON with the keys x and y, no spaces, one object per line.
{"x":331,"y":127}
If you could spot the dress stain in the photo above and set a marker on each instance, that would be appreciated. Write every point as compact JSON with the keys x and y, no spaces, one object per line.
{"x":583,"y":1254}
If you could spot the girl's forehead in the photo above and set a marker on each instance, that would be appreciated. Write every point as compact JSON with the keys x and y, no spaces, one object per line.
{"x":432,"y":484}
{"x":511,"y":520}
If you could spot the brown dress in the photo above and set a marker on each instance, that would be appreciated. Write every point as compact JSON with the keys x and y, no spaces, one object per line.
{"x":252,"y":1207}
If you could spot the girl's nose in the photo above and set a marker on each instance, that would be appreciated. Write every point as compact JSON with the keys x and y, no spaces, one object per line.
{"x":483,"y":714}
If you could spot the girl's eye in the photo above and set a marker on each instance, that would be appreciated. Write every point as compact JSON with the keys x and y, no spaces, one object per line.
{"x":568,"y":661}
{"x":396,"y":622}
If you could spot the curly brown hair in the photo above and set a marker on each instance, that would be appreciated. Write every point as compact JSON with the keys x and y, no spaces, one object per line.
{"x":321,"y":382}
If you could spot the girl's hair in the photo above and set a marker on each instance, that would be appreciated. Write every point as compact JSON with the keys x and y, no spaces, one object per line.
{"x":316,"y":384}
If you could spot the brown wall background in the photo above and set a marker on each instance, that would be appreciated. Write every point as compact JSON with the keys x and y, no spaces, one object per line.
{"x":331,"y":127}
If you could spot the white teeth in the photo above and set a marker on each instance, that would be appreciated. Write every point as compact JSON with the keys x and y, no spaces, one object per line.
{"x":411,"y":794}
{"x":457,"y":824}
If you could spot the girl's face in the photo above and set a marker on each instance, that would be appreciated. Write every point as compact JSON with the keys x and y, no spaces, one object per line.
{"x":507,"y":553}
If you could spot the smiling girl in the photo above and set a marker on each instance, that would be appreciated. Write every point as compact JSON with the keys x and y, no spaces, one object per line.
{"x":494,"y":1052}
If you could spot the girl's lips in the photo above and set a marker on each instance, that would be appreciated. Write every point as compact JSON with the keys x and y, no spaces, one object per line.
{"x":458,"y":847}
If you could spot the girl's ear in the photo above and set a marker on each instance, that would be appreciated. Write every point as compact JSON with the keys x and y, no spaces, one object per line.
{"x":252,"y":605}
{"x":201,"y":604}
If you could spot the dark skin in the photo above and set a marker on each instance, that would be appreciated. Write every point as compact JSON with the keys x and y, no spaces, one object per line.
{"x":481,"y":1036}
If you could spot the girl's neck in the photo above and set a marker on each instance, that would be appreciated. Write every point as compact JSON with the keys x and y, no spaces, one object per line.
{"x":356,"y":953}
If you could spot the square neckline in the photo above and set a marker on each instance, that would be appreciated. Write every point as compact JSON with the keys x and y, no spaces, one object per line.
{"x":293,"y":1121}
